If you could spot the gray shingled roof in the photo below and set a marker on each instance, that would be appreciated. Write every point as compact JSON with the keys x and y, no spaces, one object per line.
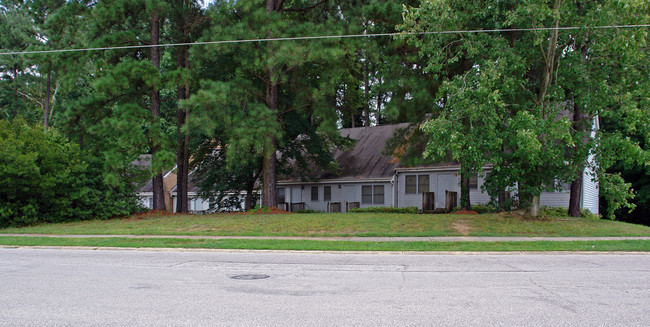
{"x":365,"y":160}
{"x":144,"y":162}
{"x":191,"y":186}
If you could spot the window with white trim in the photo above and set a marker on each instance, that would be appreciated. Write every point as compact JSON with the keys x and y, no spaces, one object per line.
{"x":372,"y":194}
{"x":423,"y":183}
{"x":411,"y":184}
{"x":327,"y":193}
{"x":417,"y":184}
{"x":314,"y":193}
{"x":378,"y":194}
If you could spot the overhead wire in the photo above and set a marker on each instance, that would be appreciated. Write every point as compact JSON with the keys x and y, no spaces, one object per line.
{"x":297,"y":38}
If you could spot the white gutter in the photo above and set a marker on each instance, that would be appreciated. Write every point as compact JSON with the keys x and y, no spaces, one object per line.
{"x":393,"y":183}
{"x":434,"y":169}
{"x":338,"y":181}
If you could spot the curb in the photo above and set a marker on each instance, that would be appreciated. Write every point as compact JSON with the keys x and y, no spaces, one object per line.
{"x":93,"y":248}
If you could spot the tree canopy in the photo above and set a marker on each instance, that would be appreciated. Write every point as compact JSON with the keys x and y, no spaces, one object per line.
{"x":523,"y":98}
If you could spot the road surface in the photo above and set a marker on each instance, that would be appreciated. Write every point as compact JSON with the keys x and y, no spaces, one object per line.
{"x":67,"y":287}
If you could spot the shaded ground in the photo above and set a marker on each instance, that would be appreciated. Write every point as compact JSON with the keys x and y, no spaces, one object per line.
{"x":263,"y":211}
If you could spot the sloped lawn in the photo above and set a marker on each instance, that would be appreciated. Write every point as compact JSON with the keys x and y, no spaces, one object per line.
{"x":342,"y":224}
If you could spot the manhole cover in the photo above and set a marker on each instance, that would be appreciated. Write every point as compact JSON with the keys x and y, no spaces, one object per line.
{"x":250,"y":277}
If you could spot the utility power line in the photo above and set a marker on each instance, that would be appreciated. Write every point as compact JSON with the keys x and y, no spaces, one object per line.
{"x":297,"y":38}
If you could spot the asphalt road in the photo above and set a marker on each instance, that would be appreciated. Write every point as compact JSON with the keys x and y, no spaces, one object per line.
{"x":52,"y":287}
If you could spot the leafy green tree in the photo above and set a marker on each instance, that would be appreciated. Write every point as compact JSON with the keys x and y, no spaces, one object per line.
{"x":466,"y":128}
{"x":47,"y":178}
{"x":112,"y":111}
{"x":17,"y":83}
{"x":532,"y":131}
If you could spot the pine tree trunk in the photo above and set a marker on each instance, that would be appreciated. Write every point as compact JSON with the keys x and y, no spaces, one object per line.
{"x":248,"y":204}
{"x":269,"y":198}
{"x":14,"y":113}
{"x":182,"y":158}
{"x":378,"y":110}
{"x":366,"y":90}
{"x":158,"y":188}
{"x":46,"y":109}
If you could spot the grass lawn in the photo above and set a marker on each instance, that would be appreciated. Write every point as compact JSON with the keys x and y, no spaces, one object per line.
{"x":625,"y":245}
{"x":343,"y":224}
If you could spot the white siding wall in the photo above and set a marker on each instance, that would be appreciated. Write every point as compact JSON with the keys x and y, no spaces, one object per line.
{"x":589,"y":191}
{"x":476,"y":196}
{"x":337,"y":194}
{"x":412,"y":200}
{"x":554,"y":199}
{"x":415,"y":200}
{"x":199,"y":204}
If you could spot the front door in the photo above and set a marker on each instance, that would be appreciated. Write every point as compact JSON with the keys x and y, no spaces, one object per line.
{"x":443,"y":184}
{"x":349,"y":194}
{"x":296,"y":194}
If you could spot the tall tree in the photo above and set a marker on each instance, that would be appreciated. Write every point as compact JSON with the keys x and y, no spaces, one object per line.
{"x":274,"y":102}
{"x":158,"y":188}
{"x":188,"y":21}
{"x":16,"y":82}
{"x":532,"y":130}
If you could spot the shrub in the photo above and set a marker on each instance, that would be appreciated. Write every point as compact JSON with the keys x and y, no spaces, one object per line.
{"x":387,"y":210}
{"x":47,"y":178}
{"x":564,"y":212}
{"x":483,"y":208}
{"x":555,"y":212}
{"x":308,"y":211}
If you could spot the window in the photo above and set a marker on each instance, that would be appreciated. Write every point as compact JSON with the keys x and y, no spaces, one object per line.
{"x":378,"y":196}
{"x":473,"y":182}
{"x":372,"y":194}
{"x":417,"y":184}
{"x":366,"y":194}
{"x":411,"y":186}
{"x":280,"y":195}
{"x":314,"y":193}
{"x":150,"y":203}
{"x":423,"y":183}
{"x":327,"y":193}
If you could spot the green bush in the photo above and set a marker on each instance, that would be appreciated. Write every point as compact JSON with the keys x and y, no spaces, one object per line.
{"x":586,"y":213}
{"x":483,"y":208}
{"x":555,"y":211}
{"x":47,"y":178}
{"x":387,"y":210}
{"x":564,"y":212}
{"x":308,"y":211}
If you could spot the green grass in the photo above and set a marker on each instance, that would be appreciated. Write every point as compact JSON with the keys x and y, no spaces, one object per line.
{"x":343,"y":224}
{"x":626,"y":245}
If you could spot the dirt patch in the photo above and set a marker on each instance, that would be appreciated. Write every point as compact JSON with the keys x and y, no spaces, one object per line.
{"x":465,"y":212}
{"x":461,"y":226}
{"x":263,"y":211}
